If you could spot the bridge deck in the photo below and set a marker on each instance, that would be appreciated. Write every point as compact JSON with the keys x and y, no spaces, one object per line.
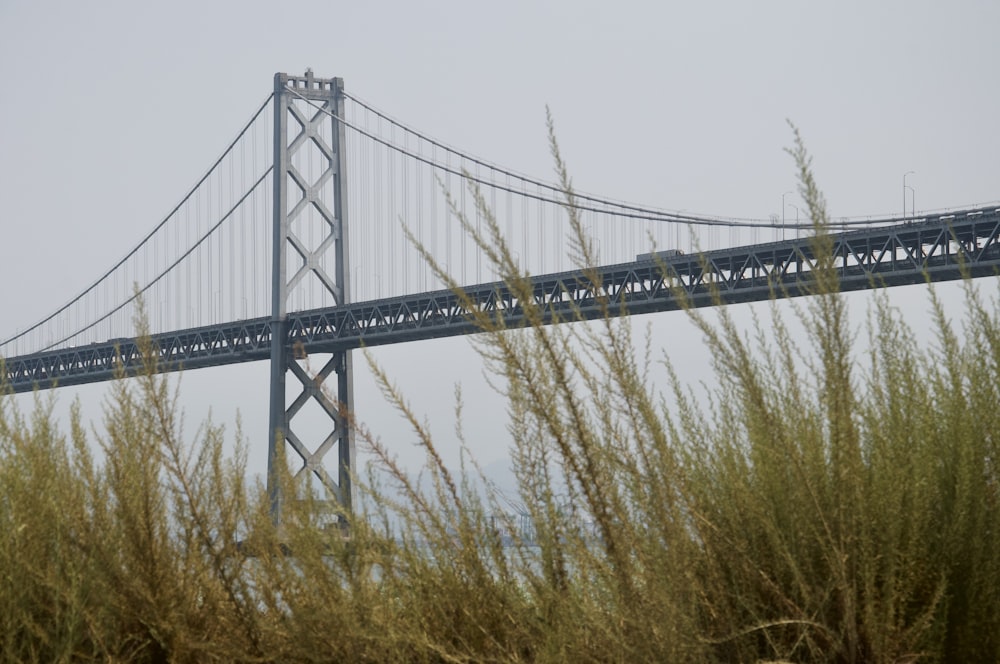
{"x":940,"y":247}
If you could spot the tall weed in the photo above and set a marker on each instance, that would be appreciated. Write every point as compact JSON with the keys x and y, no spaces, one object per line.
{"x":821,"y":501}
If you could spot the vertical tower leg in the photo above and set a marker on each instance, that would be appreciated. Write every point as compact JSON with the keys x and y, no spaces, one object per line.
{"x":310,"y":243}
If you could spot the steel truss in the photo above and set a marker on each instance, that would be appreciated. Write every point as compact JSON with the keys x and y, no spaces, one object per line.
{"x":939,"y":248}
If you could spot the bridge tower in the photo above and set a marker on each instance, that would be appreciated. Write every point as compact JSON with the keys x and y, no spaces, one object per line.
{"x":309,"y":193}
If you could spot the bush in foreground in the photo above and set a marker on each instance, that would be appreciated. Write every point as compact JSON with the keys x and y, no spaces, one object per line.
{"x":825,"y":505}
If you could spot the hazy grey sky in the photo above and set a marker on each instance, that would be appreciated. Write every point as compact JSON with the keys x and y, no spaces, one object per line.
{"x":110,"y":111}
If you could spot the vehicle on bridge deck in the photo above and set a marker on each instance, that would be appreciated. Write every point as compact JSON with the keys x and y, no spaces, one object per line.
{"x":658,"y":255}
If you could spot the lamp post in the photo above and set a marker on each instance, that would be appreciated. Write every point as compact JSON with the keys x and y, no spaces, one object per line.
{"x":913,"y":203}
{"x":904,"y":190}
{"x":783,"y":213}
{"x":796,"y":218}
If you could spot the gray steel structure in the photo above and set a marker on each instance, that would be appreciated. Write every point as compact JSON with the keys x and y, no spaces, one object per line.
{"x":320,"y":134}
{"x":939,"y":247}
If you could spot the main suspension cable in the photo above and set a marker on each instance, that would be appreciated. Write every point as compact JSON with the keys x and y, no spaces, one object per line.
{"x":629,"y":212}
{"x":149,"y":235}
{"x":655,"y":213}
{"x":170,"y":267}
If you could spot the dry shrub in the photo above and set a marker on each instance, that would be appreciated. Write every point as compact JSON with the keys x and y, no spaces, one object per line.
{"x":819,"y":503}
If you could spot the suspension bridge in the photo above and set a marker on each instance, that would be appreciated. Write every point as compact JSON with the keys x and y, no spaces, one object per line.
{"x":294,"y":243}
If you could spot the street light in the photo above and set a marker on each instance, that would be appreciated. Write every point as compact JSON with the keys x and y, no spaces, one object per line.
{"x":783,"y":213}
{"x":913,"y":204}
{"x":904,"y":190}
{"x":796,"y":218}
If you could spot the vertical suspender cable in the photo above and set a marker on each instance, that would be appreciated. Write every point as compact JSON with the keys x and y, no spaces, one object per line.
{"x":407,"y":247}
{"x":379,"y":195}
{"x":448,"y":215}
{"x":419,"y":191}
{"x":232,"y":230}
{"x":510,"y":215}
{"x":479,"y":231}
{"x":493,"y":197}
{"x":435,"y":222}
{"x":464,"y":236}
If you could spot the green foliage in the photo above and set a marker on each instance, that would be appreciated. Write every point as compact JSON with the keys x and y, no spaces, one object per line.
{"x":819,"y":503}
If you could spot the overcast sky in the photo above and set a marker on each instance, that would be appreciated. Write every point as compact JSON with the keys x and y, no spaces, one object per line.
{"x":110,"y":111}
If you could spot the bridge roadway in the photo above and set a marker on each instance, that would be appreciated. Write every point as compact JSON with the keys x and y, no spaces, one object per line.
{"x":938,"y":247}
